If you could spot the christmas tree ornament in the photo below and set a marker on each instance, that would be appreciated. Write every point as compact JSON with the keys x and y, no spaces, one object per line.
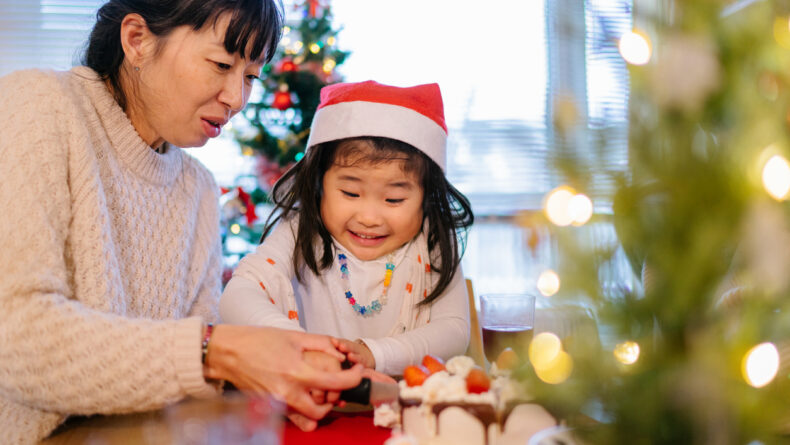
{"x":287,"y":66}
{"x":282,"y":100}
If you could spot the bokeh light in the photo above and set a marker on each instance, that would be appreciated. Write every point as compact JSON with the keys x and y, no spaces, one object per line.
{"x":329,"y":65}
{"x":557,"y":205}
{"x":558,"y":370}
{"x":635,"y":48}
{"x":581,"y":209}
{"x":563,"y":207}
{"x":760,"y":365}
{"x":544,"y":349}
{"x":782,"y":31}
{"x":235,"y":229}
{"x":627,"y":352}
{"x":776,"y":177}
{"x":548,"y":283}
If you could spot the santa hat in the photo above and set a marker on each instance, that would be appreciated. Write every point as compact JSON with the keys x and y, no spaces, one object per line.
{"x":414,"y":115}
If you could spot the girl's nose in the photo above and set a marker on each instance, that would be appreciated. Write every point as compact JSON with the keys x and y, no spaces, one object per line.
{"x":369,"y":217}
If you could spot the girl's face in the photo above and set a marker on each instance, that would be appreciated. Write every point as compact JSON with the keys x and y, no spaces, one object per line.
{"x":191,"y":88}
{"x":371,"y":209}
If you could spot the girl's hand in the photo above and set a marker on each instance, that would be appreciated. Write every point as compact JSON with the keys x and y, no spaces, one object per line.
{"x":270,"y":360}
{"x":376,"y":376}
{"x":324,"y":362}
{"x":356,"y":351}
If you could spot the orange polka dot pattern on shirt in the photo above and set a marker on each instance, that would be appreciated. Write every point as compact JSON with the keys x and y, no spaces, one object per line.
{"x":262,"y":286}
{"x":292,"y":315}
{"x":408,"y":287}
{"x":270,"y":261}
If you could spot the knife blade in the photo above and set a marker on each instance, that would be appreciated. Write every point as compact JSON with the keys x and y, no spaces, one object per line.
{"x":371,"y":393}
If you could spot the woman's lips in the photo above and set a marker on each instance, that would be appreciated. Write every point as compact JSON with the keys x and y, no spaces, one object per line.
{"x":210,"y":128}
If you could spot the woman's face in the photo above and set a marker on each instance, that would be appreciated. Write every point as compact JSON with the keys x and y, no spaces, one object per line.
{"x":191,"y":88}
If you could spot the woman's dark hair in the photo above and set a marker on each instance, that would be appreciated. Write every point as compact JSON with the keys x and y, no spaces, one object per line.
{"x":255,"y":26}
{"x":299,"y":192}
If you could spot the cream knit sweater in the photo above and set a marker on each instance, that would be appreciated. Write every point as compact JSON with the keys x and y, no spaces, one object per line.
{"x":106,"y":247}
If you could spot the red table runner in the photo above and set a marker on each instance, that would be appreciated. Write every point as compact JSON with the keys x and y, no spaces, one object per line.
{"x":347,"y":428}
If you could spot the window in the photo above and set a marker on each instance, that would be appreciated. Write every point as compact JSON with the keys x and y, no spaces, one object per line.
{"x":502,"y":67}
{"x":45,"y":33}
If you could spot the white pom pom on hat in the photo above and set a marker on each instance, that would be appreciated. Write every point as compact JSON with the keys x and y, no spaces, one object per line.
{"x":414,"y":115}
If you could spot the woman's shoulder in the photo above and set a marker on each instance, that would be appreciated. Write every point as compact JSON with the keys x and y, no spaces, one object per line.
{"x":31,"y":76}
{"x":31,"y":88}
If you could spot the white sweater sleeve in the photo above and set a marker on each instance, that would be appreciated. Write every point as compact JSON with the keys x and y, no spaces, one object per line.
{"x":206,"y":304}
{"x":56,"y":353}
{"x":261,"y":291}
{"x":446,"y":335}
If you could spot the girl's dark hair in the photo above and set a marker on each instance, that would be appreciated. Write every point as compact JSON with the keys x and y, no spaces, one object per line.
{"x":255,"y":26}
{"x":299,"y":192}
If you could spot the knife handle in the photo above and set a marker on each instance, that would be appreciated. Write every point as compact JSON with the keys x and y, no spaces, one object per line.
{"x":358,"y":394}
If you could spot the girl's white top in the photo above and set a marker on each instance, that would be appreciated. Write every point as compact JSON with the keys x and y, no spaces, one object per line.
{"x":264,"y":291}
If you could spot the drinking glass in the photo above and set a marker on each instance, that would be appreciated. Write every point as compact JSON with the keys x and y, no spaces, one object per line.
{"x":507,"y":320}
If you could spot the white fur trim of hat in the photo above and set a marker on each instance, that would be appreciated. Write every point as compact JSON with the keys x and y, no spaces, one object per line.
{"x":414,"y":115}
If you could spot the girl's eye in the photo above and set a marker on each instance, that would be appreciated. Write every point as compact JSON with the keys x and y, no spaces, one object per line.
{"x":252,"y":77}
{"x":349,"y":194}
{"x":395,"y":201}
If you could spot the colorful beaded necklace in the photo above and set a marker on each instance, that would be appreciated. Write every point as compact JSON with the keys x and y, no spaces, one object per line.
{"x":375,"y":305}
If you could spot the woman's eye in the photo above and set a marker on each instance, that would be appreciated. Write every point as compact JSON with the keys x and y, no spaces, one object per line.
{"x":223,"y":66}
{"x":349,"y":194}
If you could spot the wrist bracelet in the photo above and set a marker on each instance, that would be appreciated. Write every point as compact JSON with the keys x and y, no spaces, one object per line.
{"x":206,"y":339}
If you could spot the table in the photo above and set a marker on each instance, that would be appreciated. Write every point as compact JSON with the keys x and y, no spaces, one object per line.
{"x":341,"y":428}
{"x":349,"y":427}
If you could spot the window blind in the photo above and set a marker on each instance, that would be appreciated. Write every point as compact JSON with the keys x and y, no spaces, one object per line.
{"x":502,"y":69}
{"x":45,"y":33}
{"x":490,"y":62}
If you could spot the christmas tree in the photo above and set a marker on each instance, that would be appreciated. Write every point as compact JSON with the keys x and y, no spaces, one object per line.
{"x":696,"y":354}
{"x":276,"y":123}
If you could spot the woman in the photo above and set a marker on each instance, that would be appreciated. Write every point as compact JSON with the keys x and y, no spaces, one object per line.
{"x":110,"y":232}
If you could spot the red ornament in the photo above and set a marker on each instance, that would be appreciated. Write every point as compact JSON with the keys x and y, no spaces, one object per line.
{"x":248,"y":205}
{"x":287,"y":66}
{"x":282,"y":100}
{"x":312,"y":7}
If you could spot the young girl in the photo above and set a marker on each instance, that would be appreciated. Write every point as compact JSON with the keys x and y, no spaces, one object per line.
{"x":367,"y":248}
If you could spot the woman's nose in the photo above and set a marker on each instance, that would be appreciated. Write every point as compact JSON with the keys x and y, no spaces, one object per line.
{"x":234,"y":94}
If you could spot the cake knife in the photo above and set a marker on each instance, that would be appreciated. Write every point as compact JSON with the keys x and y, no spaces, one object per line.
{"x":371,"y":393}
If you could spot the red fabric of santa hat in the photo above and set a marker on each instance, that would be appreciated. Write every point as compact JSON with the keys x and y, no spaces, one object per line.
{"x":414,"y":115}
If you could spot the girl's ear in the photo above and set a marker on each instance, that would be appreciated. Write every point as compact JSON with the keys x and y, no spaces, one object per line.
{"x":136,"y":39}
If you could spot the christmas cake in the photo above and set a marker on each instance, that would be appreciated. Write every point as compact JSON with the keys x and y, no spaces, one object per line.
{"x":459,"y":403}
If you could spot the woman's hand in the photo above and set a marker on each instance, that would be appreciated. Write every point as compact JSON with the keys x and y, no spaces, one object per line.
{"x":356,"y":351}
{"x":324,"y":362}
{"x":270,"y":360}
